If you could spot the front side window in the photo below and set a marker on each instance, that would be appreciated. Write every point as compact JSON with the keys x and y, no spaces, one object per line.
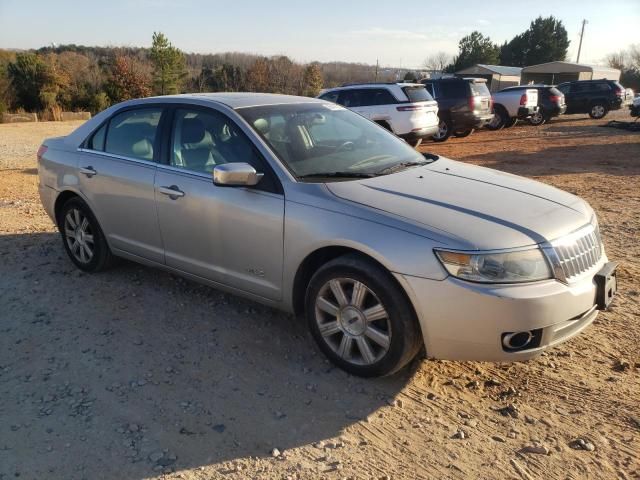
{"x":133,"y":133}
{"x":351,"y":98}
{"x":203,"y":139}
{"x":315,"y":140}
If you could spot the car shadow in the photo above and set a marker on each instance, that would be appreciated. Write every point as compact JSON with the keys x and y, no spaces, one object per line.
{"x":122,"y":374}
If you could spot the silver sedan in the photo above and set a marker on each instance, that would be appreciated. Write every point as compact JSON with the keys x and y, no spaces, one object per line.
{"x":303,"y":205}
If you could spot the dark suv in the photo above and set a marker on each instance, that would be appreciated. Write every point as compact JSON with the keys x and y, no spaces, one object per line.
{"x":595,"y":97}
{"x":551,"y":102}
{"x":464,"y":104}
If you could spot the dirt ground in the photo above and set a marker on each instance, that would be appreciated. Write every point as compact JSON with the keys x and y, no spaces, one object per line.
{"x":135,"y":373}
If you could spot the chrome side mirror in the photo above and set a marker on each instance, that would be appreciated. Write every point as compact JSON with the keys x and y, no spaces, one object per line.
{"x":236,"y":175}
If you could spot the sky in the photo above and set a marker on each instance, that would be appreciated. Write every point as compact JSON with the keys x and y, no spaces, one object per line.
{"x":398,"y":34}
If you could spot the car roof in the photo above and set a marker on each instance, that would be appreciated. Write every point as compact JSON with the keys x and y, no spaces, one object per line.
{"x":234,"y":99}
{"x":375,"y":85}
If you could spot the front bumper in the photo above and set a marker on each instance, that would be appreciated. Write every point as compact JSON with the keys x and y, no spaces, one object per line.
{"x":466,"y":321}
{"x":526,"y":112}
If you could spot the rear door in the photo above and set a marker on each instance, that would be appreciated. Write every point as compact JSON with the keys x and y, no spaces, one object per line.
{"x":229,"y":235}
{"x":117,"y":172}
{"x":354,"y":99}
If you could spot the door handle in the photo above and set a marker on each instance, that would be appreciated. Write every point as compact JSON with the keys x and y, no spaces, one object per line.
{"x":173,"y":191}
{"x":88,"y":171}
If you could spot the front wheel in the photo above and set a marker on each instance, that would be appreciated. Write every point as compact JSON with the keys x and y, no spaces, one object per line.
{"x":444,"y":131}
{"x":538,"y":118}
{"x":360,"y":318}
{"x":598,"y":111}
{"x":82,"y":237}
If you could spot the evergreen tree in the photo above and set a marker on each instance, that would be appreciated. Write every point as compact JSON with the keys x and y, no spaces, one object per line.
{"x":169,"y":67}
{"x":475,"y":48}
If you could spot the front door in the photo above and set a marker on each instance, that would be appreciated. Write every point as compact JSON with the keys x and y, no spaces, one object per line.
{"x":117,"y":173}
{"x":230,"y":235}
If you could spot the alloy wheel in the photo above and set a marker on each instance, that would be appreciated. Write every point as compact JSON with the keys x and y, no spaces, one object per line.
{"x":79,"y":235}
{"x":353,"y":321}
{"x":537,"y":118}
{"x":443,"y":128}
{"x":597,"y":111}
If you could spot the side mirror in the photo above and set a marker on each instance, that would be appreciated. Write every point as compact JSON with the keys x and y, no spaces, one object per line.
{"x":236,"y":175}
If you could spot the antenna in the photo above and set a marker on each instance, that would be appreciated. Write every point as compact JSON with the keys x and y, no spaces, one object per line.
{"x":584,"y":22}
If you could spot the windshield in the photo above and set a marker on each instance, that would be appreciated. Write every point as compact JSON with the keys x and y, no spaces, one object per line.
{"x":315,"y":139}
{"x":479,"y":89}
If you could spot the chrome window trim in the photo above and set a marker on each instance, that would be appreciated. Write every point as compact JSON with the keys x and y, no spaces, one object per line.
{"x":150,"y":163}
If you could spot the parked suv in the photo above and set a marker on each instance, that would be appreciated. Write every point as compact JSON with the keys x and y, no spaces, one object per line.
{"x":551,"y":102}
{"x":406,"y":109}
{"x":595,"y":97}
{"x":464,"y":104}
{"x":509,"y":106}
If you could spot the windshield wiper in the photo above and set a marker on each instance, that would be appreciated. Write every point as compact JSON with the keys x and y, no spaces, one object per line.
{"x":400,"y":166}
{"x":338,"y":175}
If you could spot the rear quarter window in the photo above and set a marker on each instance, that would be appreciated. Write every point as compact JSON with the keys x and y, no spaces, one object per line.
{"x":479,"y":89}
{"x":417,"y":94}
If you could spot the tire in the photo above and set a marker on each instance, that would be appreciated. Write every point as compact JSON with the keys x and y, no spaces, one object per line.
{"x":510,"y":122}
{"x":87,"y":247}
{"x":598,"y":110}
{"x":538,"y":118}
{"x":341,"y":328}
{"x":444,"y":131}
{"x":463,"y":133}
{"x":498,"y":120}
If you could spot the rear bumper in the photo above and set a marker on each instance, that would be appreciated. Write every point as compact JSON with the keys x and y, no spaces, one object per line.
{"x":556,"y":110}
{"x":470,"y":120}
{"x":426,"y":132}
{"x":466,"y":321}
{"x":526,"y":112}
{"x":48,"y":198}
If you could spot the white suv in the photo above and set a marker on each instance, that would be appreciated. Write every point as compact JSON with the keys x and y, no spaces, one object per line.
{"x":406,"y":109}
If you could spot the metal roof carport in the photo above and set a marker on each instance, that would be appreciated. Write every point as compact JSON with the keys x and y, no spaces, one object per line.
{"x":553,"y":73}
{"x":497,"y":76}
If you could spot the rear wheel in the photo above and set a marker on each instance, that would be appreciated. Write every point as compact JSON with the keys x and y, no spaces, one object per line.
{"x":82,"y":237}
{"x":598,"y":111}
{"x":360,"y":318}
{"x":444,"y":131}
{"x":463,"y":133}
{"x":498,"y":120}
{"x":538,"y":118}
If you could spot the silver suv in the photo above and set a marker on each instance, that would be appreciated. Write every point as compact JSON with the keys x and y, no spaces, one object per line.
{"x":304,"y":205}
{"x":406,"y":109}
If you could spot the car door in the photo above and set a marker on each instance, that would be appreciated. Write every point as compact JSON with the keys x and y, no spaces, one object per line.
{"x":117,"y":173}
{"x":353,"y":99}
{"x":229,"y":235}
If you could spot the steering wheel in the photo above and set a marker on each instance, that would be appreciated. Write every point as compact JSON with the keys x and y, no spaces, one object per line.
{"x":348,"y":145}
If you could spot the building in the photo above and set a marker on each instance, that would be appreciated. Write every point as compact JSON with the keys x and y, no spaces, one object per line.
{"x":553,"y":73}
{"x":497,"y":76}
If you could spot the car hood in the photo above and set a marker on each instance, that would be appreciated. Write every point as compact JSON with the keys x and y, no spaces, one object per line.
{"x":476,"y":207}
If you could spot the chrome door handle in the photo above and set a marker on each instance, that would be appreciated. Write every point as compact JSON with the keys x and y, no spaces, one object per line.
{"x":173,"y":191}
{"x":88,"y":171}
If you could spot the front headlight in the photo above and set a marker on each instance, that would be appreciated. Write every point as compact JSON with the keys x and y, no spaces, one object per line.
{"x":507,"y":267}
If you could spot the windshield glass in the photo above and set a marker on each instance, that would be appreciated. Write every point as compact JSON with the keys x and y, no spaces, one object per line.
{"x":479,"y":89}
{"x":318,"y":139}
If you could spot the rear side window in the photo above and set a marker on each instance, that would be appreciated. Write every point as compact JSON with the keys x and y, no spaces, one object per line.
{"x":479,"y":89}
{"x":350,"y":98}
{"x":417,"y":94}
{"x":133,"y":133}
{"x":376,"y":96}
{"x":601,"y":87}
{"x":330,"y":96}
{"x":454,"y":89}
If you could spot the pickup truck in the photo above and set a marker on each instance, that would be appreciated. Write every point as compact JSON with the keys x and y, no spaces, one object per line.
{"x":511,"y":105}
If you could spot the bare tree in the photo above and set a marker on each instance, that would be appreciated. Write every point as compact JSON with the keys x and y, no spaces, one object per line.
{"x":438,"y":61}
{"x":617,"y":60}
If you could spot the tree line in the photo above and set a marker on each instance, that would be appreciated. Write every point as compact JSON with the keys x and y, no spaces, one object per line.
{"x":74,"y":78}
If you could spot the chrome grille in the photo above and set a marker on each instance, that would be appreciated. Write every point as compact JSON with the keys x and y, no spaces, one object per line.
{"x":579,"y":251}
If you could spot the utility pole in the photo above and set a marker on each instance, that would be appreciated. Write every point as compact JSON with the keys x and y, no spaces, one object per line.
{"x":377,"y":70}
{"x":584,"y":22}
